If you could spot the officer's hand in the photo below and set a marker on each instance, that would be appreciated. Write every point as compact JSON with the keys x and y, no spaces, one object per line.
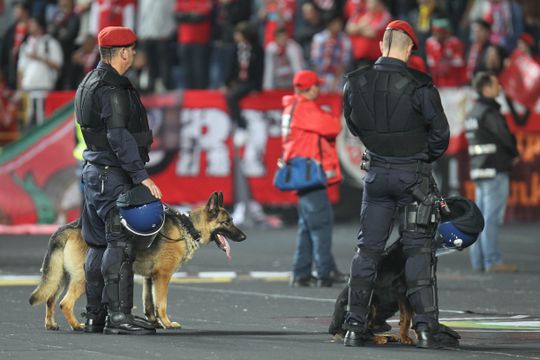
{"x":152,"y":187}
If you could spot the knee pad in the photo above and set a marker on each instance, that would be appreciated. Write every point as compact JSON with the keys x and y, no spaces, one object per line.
{"x":117,"y":269}
{"x":420,"y":271}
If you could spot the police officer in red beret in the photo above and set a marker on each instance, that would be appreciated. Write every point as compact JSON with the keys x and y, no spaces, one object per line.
{"x":396,"y":112}
{"x":115,"y":128}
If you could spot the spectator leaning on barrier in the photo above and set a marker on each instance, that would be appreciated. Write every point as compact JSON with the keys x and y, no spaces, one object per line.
{"x":493,"y":151}
{"x":310,"y":132}
{"x":282,"y":59}
{"x":331,"y":55}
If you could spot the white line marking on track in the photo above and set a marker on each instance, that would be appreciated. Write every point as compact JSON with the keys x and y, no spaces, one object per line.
{"x":254,"y":293}
{"x":516,"y":356}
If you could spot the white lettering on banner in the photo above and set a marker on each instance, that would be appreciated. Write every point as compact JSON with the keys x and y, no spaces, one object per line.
{"x":257,"y":128}
{"x":203,"y":130}
{"x":206,"y":130}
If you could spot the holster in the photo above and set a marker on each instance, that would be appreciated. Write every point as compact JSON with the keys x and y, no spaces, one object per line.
{"x":426,"y":196}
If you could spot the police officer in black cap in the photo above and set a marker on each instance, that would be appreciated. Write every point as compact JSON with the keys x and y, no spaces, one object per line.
{"x":115,"y":128}
{"x":396,"y":112}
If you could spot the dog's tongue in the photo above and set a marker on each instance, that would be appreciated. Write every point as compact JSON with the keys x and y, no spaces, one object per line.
{"x":225,"y":246}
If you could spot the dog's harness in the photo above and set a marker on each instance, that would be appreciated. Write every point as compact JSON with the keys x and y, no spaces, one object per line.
{"x":184,"y":221}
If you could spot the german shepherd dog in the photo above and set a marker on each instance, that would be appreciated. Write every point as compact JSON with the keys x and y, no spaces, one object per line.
{"x":63,"y":265}
{"x":389,"y":296}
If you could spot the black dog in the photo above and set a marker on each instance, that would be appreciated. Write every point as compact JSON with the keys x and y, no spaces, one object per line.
{"x":389,"y":296}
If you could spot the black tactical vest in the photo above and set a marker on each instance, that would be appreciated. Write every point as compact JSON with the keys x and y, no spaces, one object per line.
{"x":384,"y":111}
{"x":482,"y":150}
{"x":88,"y":112}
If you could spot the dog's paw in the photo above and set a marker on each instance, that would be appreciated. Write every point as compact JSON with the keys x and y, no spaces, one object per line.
{"x":79,"y":327}
{"x":175,"y":325}
{"x":380,"y":340}
{"x":405,"y":339}
{"x":171,"y":325}
{"x":52,"y":326}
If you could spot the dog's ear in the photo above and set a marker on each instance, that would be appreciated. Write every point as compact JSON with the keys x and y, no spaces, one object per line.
{"x":220,"y":199}
{"x":213,"y":203}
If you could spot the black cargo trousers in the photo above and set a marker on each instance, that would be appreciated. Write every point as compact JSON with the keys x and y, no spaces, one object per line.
{"x":109,"y":261}
{"x":386,"y":191}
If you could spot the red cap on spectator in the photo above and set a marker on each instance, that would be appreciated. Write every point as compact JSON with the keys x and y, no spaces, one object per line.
{"x":304,"y":79}
{"x":527,"y":38}
{"x":405,"y":27}
{"x":116,"y":36}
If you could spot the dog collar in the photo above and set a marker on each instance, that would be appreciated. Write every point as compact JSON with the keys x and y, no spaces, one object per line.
{"x":186,"y":221}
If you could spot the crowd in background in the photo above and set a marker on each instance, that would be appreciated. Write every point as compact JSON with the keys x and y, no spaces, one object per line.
{"x":242,"y":46}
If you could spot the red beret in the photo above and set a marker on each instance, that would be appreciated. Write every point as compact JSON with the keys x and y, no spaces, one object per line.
{"x":304,"y":79}
{"x":527,"y":38}
{"x":116,"y":36}
{"x":405,"y":27}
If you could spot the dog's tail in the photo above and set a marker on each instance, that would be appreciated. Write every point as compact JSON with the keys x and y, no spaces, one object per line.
{"x":52,"y":270}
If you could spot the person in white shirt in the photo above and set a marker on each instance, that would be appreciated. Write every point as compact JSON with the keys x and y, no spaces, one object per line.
{"x":40,"y":62}
{"x":282,"y":59}
{"x":40,"y":59}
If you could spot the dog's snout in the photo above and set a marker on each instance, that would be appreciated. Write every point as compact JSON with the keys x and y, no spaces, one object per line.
{"x":240,"y":236}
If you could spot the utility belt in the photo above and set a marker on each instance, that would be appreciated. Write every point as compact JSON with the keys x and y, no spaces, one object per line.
{"x":419,"y":167}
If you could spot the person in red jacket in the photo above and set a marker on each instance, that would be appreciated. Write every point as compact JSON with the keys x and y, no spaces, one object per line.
{"x":445,"y":56}
{"x":308,"y":131}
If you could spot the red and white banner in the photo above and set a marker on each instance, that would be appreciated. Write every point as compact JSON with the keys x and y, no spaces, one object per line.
{"x":192,"y":155}
{"x":521,"y":79}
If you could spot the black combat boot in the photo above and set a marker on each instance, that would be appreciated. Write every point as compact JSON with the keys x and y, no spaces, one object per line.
{"x":95,"y":321}
{"x":127,"y":324}
{"x":441,"y":337}
{"x":357,"y":333}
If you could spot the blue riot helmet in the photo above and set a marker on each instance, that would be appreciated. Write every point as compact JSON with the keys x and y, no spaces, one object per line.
{"x":461,"y":228}
{"x":140,"y":212}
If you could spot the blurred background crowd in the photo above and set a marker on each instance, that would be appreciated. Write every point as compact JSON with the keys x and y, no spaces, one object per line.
{"x":211,"y":44}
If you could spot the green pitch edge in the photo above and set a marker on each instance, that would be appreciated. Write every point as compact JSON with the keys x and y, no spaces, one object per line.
{"x":30,"y":138}
{"x":485,"y":325}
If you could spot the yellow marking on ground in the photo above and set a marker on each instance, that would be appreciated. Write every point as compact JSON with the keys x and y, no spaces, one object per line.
{"x":197,"y":280}
{"x":19,"y":282}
